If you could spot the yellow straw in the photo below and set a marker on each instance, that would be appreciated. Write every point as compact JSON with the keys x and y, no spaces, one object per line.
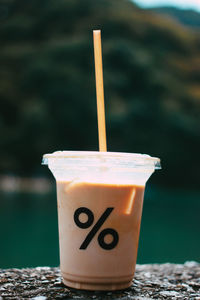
{"x":99,"y":90}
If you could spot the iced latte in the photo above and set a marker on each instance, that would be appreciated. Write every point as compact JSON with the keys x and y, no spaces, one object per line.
{"x":100,"y":198}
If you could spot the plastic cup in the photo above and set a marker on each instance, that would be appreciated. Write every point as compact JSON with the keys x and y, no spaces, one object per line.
{"x":100,"y":199}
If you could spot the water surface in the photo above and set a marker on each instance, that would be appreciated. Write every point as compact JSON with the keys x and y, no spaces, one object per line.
{"x":170,"y":229}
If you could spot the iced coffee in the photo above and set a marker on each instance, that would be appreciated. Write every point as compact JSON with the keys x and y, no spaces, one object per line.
{"x":100,"y":199}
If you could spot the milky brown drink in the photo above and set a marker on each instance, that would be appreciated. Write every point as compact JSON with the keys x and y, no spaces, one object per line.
{"x":100,"y":198}
{"x":109,"y":264}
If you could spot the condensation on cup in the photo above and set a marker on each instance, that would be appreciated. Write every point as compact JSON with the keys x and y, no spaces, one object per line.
{"x":100,"y":199}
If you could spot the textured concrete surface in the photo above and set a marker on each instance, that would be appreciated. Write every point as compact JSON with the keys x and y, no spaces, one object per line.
{"x":165,"y":281}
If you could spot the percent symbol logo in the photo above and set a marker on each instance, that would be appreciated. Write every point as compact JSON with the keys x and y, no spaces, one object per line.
{"x":95,"y":228}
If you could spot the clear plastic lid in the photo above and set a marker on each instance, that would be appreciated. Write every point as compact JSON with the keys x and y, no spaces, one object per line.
{"x":111,"y":158}
{"x":101,"y":167}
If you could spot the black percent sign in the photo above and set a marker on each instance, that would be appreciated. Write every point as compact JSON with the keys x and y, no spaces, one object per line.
{"x":95,"y":228}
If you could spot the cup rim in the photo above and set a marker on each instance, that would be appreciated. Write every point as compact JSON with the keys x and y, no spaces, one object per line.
{"x":96,"y":154}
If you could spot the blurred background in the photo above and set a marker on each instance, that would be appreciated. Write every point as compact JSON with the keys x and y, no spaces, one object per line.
{"x":151,"y":57}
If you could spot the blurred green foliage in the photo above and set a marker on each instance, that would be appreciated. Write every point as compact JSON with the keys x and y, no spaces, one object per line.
{"x":187,"y":17}
{"x":47,"y":85}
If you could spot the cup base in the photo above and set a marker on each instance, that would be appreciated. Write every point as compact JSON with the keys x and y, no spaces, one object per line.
{"x":111,"y":284}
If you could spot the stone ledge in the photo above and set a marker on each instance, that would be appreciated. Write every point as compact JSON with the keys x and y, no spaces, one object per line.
{"x":164,"y":281}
